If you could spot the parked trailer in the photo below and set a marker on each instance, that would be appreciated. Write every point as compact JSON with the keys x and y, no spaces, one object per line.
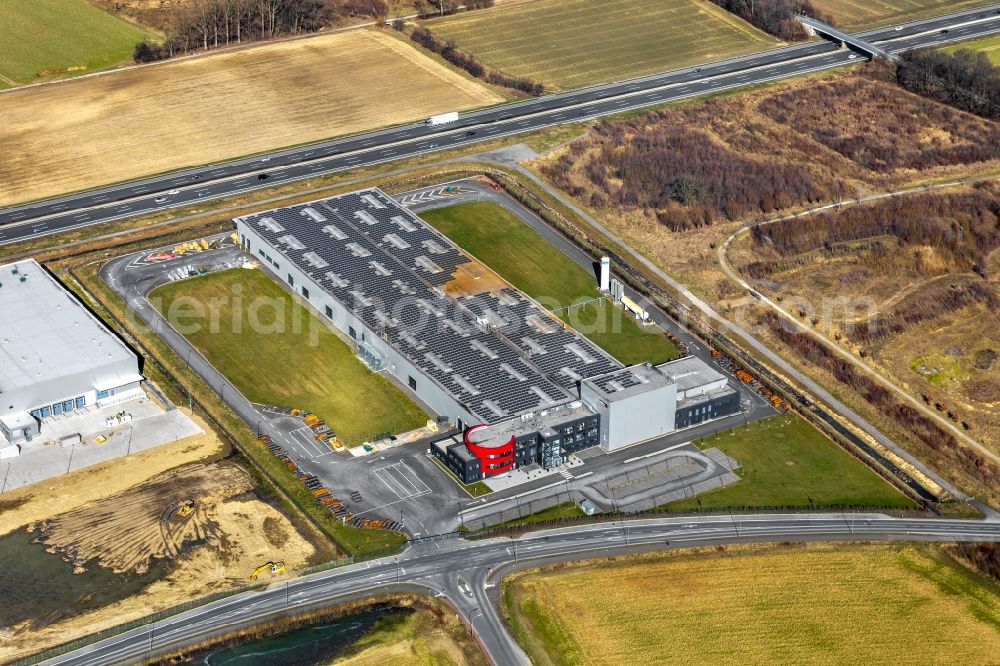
{"x":442,"y":118}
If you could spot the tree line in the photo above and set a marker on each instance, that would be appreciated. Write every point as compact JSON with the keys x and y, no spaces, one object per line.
{"x":965,"y":80}
{"x":450,"y":52}
{"x":663,"y":163}
{"x":776,"y":17}
{"x":207,"y":24}
{"x":963,"y":226}
{"x":872,"y":122}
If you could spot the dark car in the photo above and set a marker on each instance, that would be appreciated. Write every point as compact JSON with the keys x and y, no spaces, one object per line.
{"x":262,"y":176}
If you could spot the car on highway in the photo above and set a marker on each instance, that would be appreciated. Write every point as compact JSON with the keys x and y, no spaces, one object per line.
{"x":174,"y":192}
{"x":898,"y":28}
{"x":265,"y":159}
{"x":160,"y":199}
{"x":262,"y":176}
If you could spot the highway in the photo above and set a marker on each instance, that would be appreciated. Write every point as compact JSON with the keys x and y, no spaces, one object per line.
{"x":224,"y":179}
{"x":465,"y":573}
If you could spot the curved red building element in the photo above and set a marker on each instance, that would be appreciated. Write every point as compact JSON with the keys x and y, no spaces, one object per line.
{"x":492,"y":459}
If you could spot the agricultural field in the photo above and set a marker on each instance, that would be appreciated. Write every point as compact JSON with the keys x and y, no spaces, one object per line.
{"x":858,"y":14}
{"x":866,"y":604}
{"x":786,"y":462}
{"x":550,"y":277}
{"x":276,"y":351}
{"x":125,"y":124}
{"x":917,"y":299}
{"x":554,"y":41}
{"x":46,"y":39}
{"x":73,"y":579}
{"x":988,"y":45}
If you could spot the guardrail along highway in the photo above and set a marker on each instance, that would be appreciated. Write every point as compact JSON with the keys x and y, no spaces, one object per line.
{"x":219,"y":180}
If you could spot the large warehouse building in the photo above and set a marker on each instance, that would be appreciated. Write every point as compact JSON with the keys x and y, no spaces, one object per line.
{"x":470,"y":346}
{"x":55,"y":356}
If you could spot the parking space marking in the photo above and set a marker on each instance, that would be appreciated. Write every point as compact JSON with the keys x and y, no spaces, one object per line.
{"x":303,"y":440}
{"x":402,"y":481}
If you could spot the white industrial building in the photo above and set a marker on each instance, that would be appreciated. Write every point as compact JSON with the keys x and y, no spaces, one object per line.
{"x":529,"y":388}
{"x":56,"y":357}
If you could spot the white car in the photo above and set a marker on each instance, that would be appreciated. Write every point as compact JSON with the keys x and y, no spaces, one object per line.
{"x":174,"y":192}
{"x":898,"y":28}
{"x":852,"y":56}
{"x":265,"y":159}
{"x":160,"y":199}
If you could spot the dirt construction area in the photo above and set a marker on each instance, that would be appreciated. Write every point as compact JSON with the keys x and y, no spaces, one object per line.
{"x":118,"y":541}
{"x":79,"y":134}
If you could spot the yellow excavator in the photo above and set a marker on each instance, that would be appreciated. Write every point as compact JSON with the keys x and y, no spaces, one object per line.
{"x":274,"y":567}
{"x":185,"y":508}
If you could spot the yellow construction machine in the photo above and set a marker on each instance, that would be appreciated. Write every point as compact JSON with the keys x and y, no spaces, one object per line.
{"x":274,"y":567}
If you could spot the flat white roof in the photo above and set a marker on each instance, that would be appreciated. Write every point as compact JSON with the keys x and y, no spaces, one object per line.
{"x":45,"y":333}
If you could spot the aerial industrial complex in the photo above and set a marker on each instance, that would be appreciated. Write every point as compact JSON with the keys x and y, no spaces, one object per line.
{"x":56,"y":357}
{"x":523,"y":386}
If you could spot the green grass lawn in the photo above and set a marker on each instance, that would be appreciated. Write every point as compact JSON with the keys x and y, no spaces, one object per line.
{"x":291,"y":359}
{"x":573,"y":43}
{"x":787,"y":462}
{"x":564,"y":511}
{"x":988,"y":45}
{"x":524,"y":258}
{"x":54,"y":35}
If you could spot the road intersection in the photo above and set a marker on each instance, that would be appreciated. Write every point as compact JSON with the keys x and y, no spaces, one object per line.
{"x":466,"y":573}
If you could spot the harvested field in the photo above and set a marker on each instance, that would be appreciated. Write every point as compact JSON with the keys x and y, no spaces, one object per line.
{"x":555,"y":41}
{"x":866,"y":604}
{"x":857,"y":14}
{"x":45,"y":39}
{"x":122,"y":125}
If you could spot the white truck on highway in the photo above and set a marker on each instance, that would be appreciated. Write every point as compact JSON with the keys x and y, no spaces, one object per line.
{"x":442,"y":118}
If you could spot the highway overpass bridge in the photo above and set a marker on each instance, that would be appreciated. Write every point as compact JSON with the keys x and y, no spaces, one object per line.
{"x":846,"y":39}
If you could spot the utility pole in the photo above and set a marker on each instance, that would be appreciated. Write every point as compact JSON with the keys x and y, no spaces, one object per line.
{"x":396,"y":560}
{"x":5,"y":475}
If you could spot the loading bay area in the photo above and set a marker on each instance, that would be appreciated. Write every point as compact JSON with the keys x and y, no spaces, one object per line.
{"x":404,"y":483}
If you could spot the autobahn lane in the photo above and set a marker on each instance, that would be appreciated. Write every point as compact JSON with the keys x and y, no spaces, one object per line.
{"x":465,"y":573}
{"x":215,"y":181}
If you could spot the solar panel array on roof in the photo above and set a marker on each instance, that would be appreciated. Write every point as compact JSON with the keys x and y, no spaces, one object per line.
{"x":497,"y":353}
{"x":619,"y":381}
